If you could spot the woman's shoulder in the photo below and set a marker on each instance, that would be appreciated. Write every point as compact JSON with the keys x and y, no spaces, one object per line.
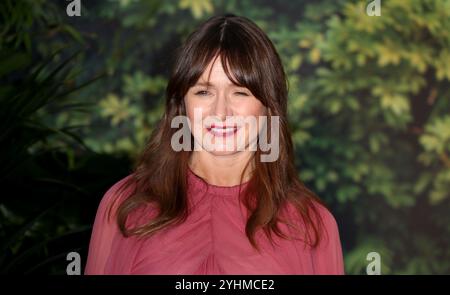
{"x":318,"y":214}
{"x":105,"y":229}
{"x":325,"y":215}
{"x":118,"y":193}
{"x":312,"y":208}
{"x":115,"y":194}
{"x":118,"y":190}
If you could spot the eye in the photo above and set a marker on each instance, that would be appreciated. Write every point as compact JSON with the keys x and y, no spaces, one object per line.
{"x":202,"y":92}
{"x":242,"y":93}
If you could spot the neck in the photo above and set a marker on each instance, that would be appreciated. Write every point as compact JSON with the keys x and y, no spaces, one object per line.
{"x":223,"y":170}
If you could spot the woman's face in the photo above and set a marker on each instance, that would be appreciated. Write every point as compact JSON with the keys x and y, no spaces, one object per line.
{"x":224,"y":117}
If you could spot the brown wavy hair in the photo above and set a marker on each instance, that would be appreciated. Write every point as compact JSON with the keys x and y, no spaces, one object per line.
{"x":160,"y":174}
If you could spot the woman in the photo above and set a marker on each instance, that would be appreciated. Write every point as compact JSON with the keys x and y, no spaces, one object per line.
{"x":216,"y":208}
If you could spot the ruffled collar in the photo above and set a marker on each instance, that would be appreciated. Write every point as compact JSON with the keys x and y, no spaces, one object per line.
{"x":198,"y":182}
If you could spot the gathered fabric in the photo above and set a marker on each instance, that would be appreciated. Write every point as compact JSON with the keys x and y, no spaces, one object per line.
{"x":211,"y":240}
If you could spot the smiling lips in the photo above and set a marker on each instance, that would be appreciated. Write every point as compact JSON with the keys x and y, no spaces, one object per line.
{"x":222,"y":130}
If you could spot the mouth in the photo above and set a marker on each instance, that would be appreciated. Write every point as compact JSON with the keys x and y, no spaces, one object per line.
{"x":223,"y":131}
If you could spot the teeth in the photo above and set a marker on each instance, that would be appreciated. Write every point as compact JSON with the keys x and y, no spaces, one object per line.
{"x":222,"y":130}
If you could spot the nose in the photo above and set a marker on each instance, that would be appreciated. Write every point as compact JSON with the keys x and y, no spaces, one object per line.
{"x":221,"y":107}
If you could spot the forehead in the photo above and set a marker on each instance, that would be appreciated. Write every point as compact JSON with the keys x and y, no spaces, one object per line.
{"x":215,"y":72}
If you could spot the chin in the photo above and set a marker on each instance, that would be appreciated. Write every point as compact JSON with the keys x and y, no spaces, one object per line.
{"x":223,"y":152}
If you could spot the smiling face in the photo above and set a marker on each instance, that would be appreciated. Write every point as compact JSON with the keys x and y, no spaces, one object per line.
{"x":224,"y":116}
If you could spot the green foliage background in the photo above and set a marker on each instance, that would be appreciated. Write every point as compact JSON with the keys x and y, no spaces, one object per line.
{"x":369,"y":106}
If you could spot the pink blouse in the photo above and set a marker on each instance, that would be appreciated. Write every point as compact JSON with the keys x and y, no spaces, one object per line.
{"x":211,"y":241}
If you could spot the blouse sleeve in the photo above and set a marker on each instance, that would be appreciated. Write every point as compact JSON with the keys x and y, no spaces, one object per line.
{"x":328,"y":257}
{"x":104,"y":230}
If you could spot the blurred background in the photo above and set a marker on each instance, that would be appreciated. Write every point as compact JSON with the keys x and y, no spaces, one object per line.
{"x":369,"y":107}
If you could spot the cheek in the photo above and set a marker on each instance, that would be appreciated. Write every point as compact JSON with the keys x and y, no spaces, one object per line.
{"x":253,"y":108}
{"x":191,"y":103}
{"x":195,"y":113}
{"x":191,"y":107}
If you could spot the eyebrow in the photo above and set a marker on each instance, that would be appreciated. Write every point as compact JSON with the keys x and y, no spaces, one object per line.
{"x":210,"y":84}
{"x":203,"y":84}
